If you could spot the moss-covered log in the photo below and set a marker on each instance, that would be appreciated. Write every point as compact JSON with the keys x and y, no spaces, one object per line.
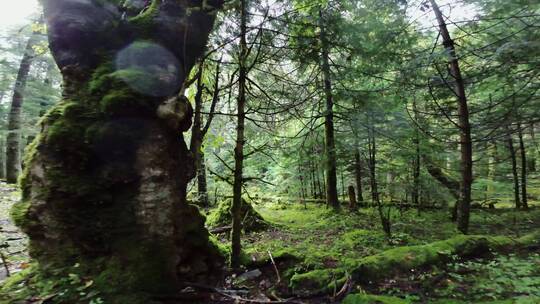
{"x":105,"y":181}
{"x":402,"y":259}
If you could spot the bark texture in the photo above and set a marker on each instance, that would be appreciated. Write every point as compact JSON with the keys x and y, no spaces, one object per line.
{"x":105,"y":181}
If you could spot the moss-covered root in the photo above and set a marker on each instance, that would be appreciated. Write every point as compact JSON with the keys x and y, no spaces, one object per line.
{"x":371,"y":299}
{"x":251,"y":219}
{"x":319,"y":281}
{"x":404,"y":259}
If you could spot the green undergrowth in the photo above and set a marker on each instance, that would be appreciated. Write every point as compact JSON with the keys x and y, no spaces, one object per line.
{"x":68,"y":285}
{"x":512,"y":278}
{"x":329,"y":247}
{"x":372,"y":299}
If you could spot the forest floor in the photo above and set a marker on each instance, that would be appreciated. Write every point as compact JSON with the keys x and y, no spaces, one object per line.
{"x":12,"y":241}
{"x":312,"y":246}
{"x":325,"y":245}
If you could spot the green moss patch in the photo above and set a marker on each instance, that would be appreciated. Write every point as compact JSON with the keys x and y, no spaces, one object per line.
{"x":372,"y":299}
{"x":251,"y":219}
{"x":407,"y":258}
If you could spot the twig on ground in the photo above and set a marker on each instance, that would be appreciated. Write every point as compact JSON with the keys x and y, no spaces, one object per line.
{"x":275,"y":267}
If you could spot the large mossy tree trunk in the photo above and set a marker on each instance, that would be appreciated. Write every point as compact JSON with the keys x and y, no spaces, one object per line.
{"x":13,"y":139}
{"x":105,"y":181}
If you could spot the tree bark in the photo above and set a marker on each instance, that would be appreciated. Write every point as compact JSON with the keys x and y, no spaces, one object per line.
{"x":239,"y":149}
{"x":464,"y":125}
{"x":511,"y":149}
{"x":332,"y":199}
{"x":105,"y":183}
{"x":13,"y":139}
{"x":524,"y":203}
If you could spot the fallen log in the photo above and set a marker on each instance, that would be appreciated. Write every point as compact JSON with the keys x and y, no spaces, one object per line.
{"x":405,"y":259}
{"x":219,"y":230}
{"x":387,"y":264}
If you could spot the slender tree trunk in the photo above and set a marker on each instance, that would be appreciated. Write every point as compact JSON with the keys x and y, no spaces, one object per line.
{"x":358,"y":176}
{"x":239,"y":150}
{"x":2,"y":159}
{"x":524,"y":203}
{"x":197,"y":139}
{"x":416,"y":164}
{"x":532,"y":156}
{"x":202,"y":186}
{"x":372,"y":149}
{"x":332,"y":199}
{"x":313,"y":179}
{"x":342,"y":185}
{"x":105,"y":184}
{"x":372,"y":168}
{"x":510,"y":143}
{"x":352,"y":198}
{"x":492,"y":168}
{"x":464,"y":125}
{"x":13,"y":150}
{"x":319,"y":184}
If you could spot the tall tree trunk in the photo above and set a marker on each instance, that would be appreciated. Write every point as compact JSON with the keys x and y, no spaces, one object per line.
{"x":197,"y":139}
{"x":202,"y":185}
{"x":319,"y":184}
{"x":358,"y":176}
{"x":372,"y":149}
{"x":239,"y":150}
{"x":352,"y":198}
{"x":2,"y":158}
{"x":13,"y":149}
{"x":532,"y":157}
{"x":342,"y":185}
{"x":510,"y":143}
{"x":464,"y":125}
{"x":524,"y":203}
{"x":492,"y":167}
{"x":416,"y":163}
{"x":314,"y":192}
{"x":332,"y":199}
{"x":105,"y":184}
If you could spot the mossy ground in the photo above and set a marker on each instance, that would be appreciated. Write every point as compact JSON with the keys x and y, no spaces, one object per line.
{"x":315,"y":249}
{"x":328,"y":247}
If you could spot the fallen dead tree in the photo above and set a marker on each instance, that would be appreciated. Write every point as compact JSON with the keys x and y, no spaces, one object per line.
{"x":375,"y":268}
{"x":404,"y":259}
